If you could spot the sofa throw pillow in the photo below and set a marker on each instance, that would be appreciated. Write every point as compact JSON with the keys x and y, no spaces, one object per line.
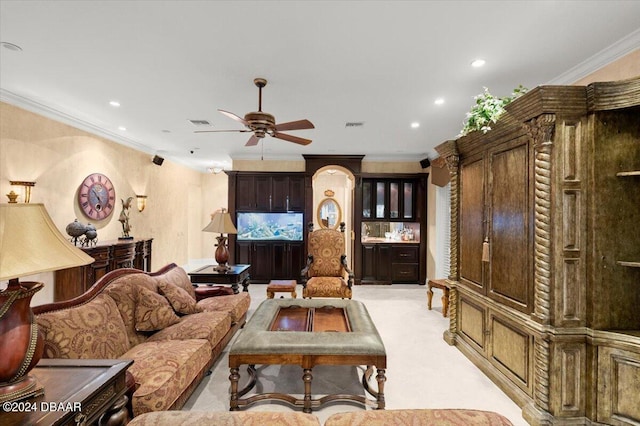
{"x":180,"y":300}
{"x":153,"y":311}
{"x":92,"y":330}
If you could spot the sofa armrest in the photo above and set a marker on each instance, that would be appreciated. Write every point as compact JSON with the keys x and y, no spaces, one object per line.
{"x":203,"y":292}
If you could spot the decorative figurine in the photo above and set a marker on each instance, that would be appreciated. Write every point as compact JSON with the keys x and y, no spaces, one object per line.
{"x":77,"y":231}
{"x":124,"y":219}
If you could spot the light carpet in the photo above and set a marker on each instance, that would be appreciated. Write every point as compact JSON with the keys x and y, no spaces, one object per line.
{"x":423,"y":371}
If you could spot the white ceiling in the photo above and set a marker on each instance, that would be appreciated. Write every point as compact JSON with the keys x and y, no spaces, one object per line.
{"x":379,"y":62}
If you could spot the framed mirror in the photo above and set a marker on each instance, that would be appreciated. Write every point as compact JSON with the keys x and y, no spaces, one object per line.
{"x":329,"y":214}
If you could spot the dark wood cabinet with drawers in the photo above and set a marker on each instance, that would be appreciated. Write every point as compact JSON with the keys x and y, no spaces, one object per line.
{"x":405,"y":265}
{"x":107,"y":255}
{"x":387,"y":263}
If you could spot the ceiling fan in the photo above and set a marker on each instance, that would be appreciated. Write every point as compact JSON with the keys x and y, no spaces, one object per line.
{"x":262,"y":123}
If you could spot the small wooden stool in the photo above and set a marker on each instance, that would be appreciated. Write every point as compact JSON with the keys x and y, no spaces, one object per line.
{"x":282,"y":286}
{"x":441,"y":284}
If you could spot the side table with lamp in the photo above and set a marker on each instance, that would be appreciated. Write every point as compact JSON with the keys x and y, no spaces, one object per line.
{"x":222,"y":273}
{"x":30,"y":244}
{"x":48,"y":391}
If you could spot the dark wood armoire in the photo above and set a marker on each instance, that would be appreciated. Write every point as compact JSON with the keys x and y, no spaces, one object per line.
{"x":545,"y":252}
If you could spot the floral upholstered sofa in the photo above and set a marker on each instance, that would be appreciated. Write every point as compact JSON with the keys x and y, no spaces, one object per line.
{"x":151,"y":318}
{"x":413,"y":417}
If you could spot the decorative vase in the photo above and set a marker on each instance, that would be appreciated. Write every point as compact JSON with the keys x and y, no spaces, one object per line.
{"x":21,"y":344}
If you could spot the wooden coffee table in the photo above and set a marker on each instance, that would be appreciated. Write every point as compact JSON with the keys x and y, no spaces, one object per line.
{"x":307,"y":333}
{"x":236,"y":275}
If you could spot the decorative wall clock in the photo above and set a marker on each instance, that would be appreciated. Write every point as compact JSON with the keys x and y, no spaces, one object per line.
{"x":96,"y":196}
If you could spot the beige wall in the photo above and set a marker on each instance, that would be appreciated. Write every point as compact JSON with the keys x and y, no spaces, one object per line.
{"x":624,"y":68}
{"x":58,"y":157}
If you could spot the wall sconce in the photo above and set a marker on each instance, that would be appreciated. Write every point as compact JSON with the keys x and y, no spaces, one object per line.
{"x":215,"y":170}
{"x":26,"y":191}
{"x":141,"y":201}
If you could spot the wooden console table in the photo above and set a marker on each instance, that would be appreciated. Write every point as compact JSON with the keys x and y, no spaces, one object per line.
{"x":108,"y":255}
{"x":76,"y":392}
{"x":238,"y":274}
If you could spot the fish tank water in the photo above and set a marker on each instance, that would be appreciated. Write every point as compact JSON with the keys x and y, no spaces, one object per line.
{"x":270,"y":226}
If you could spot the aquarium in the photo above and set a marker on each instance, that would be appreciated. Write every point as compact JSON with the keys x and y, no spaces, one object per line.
{"x":270,"y":226}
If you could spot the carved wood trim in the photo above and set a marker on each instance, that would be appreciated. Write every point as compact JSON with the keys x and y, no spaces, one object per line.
{"x":541,"y":132}
{"x":453,"y":310}
{"x":541,"y":380}
{"x":453,"y":164}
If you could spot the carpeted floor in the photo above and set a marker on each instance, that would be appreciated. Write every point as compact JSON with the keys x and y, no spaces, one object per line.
{"x":422,"y":370}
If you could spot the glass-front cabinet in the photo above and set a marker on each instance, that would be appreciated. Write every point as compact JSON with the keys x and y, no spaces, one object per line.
{"x":388,"y":199}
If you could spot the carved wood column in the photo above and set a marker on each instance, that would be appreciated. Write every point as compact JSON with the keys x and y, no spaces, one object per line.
{"x":449,"y":152}
{"x":541,"y":132}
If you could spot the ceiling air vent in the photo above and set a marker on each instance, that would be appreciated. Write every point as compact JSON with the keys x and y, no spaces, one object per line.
{"x":200,"y":122}
{"x":354,"y":124}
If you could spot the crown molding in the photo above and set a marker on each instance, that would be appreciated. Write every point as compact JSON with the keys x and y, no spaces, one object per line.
{"x":617,"y":50}
{"x":66,"y":118}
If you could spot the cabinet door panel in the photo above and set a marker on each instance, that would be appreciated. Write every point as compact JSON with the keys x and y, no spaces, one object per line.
{"x":261,"y":261}
{"x":385,"y":272}
{"x":381,"y":200}
{"x":263,"y":195}
{"x":366,"y":199}
{"x":243,"y":253}
{"x":280,"y":193}
{"x":407,"y":202}
{"x":245,"y":193}
{"x":510,"y":224}
{"x":471,"y":320}
{"x":296,"y":193}
{"x":368,"y":262}
{"x":296,"y":260}
{"x":394,"y":200}
{"x":471,"y":222}
{"x":280,"y":261}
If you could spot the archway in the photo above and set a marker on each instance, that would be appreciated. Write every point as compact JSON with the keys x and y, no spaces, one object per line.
{"x":337,"y":182}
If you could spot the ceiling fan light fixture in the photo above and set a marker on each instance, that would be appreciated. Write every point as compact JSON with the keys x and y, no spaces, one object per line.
{"x":261,"y":123}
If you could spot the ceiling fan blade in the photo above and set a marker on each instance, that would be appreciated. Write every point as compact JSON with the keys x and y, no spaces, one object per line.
{"x":295,"y":125}
{"x":290,"y":138}
{"x":253,"y":140}
{"x":217,"y":131}
{"x":234,"y":117}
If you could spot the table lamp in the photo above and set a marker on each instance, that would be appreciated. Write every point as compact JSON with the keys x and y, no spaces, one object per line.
{"x":221,"y":222}
{"x":30,"y":244}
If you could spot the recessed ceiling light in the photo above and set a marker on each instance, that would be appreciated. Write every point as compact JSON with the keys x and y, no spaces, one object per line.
{"x":478,"y":63}
{"x":114,"y":103}
{"x":122,"y":128}
{"x":166,"y":131}
{"x":11,"y":46}
{"x":415,"y":125}
{"x":439,"y":101}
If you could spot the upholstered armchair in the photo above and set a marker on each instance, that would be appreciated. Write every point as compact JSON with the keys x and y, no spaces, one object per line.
{"x":327,"y":273}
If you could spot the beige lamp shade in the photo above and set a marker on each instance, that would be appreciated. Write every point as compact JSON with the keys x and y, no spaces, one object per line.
{"x":30,"y":243}
{"x":221,"y":222}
